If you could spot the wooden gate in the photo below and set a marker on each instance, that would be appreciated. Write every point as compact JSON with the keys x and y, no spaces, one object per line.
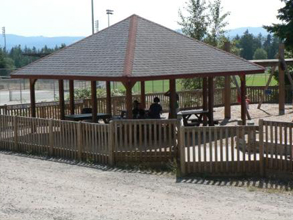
{"x":219,"y":151}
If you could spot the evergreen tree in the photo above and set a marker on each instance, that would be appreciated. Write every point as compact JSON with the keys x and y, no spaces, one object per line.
{"x":247,"y":45}
{"x":284,"y":30}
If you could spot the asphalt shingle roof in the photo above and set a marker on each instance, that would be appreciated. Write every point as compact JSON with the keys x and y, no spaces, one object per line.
{"x":138,"y":49}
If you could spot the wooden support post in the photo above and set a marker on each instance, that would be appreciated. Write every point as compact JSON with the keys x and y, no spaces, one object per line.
{"x":182,"y":151}
{"x":15,"y":125}
{"x":51,"y":139}
{"x":111,"y":143}
{"x":227,"y":90}
{"x":261,"y":148}
{"x":227,"y":97}
{"x":205,"y":98}
{"x":142,"y":94}
{"x":61,"y":99}
{"x":33,"y":97}
{"x":281,"y":82}
{"x":108,"y":99}
{"x":79,"y":141}
{"x":71,"y":96}
{"x":173,"y":113}
{"x":243,"y":101}
{"x":94,"y":100}
{"x":211,"y":101}
{"x":128,"y":85}
{"x":239,"y":92}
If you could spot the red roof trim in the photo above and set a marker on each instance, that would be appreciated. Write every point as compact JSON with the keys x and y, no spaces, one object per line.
{"x":129,"y":57}
{"x":139,"y":78}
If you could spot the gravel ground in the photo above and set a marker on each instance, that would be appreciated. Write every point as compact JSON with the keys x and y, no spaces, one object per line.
{"x":269,"y":112}
{"x":41,"y":189}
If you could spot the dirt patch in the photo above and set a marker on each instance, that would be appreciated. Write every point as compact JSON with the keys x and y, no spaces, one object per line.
{"x":41,"y":189}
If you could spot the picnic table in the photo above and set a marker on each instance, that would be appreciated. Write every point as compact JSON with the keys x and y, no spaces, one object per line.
{"x":80,"y":117}
{"x":199,"y":114}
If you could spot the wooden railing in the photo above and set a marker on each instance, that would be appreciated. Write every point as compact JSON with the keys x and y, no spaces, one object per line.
{"x":187,"y":100}
{"x":277,"y":146}
{"x":64,"y":139}
{"x":139,"y":141}
{"x":266,"y":149}
{"x":221,"y":150}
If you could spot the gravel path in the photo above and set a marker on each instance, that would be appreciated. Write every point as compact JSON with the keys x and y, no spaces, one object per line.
{"x":41,"y":189}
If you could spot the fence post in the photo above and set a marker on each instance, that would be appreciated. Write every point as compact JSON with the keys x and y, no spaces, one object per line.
{"x":51,"y":138}
{"x":261,"y":148}
{"x":182,"y":151}
{"x":111,"y":138}
{"x":15,"y":124}
{"x":79,"y":141}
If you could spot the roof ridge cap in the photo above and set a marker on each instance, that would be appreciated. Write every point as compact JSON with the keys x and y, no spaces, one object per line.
{"x":129,"y":56}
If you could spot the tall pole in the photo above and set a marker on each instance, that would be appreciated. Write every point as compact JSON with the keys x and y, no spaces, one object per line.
{"x":109,"y":12}
{"x":4,"y":35}
{"x":93,"y":23}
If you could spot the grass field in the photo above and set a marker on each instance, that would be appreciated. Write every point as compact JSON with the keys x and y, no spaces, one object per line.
{"x":163,"y":85}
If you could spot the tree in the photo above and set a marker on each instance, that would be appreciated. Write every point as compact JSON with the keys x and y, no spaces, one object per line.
{"x":260,"y":54}
{"x":217,"y":23}
{"x":246,"y":44}
{"x":284,"y":30}
{"x":204,"y":23}
{"x":196,"y":22}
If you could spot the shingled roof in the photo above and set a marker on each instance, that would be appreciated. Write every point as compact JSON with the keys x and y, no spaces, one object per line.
{"x":136,"y":49}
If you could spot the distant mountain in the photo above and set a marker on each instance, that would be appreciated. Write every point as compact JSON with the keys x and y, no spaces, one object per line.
{"x":253,"y":30}
{"x":38,"y":42}
{"x":233,"y":32}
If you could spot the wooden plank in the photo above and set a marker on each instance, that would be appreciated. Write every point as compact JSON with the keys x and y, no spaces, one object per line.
{"x":61,"y":99}
{"x":204,"y":98}
{"x":71,"y":96}
{"x":173,"y":101}
{"x":211,"y":100}
{"x":243,"y":99}
{"x":108,"y":98}
{"x":94,"y":100}
{"x":281,"y":82}
{"x":33,"y":97}
{"x":142,"y":94}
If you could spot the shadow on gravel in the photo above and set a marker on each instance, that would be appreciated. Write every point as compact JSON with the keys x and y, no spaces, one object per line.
{"x":251,"y":183}
{"x":126,"y":168}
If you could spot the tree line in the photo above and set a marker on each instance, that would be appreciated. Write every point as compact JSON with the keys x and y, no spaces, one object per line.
{"x":18,"y":57}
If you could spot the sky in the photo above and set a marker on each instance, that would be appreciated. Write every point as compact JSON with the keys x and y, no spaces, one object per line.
{"x":73,"y":17}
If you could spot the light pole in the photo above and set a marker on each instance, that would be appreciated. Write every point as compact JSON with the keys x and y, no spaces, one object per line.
{"x":93,"y":23}
{"x":109,"y":12}
{"x":97,"y":25}
{"x":4,"y":35}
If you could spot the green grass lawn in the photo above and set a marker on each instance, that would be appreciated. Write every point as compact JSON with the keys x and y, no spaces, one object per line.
{"x":163,"y":85}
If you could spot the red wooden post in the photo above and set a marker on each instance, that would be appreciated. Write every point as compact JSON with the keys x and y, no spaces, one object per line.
{"x":173,"y":100}
{"x":211,"y":101}
{"x":204,"y":98}
{"x":61,"y":99}
{"x":94,"y":100}
{"x":243,"y":99}
{"x":33,"y":97}
{"x":142,"y":94}
{"x":281,"y":82}
{"x":71,"y":96}
{"x":108,"y":99}
{"x":227,"y":93}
